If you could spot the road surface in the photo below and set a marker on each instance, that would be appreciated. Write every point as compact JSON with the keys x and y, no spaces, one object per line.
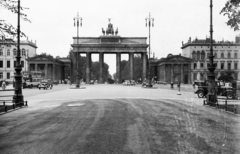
{"x":117,"y":119}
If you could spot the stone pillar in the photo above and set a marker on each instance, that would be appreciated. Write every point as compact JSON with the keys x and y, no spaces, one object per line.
{"x":53,"y":72}
{"x":45,"y":69}
{"x":88,"y":72}
{"x":189,"y":74}
{"x":164,"y":72}
{"x":131,"y":59}
{"x":70,"y":72}
{"x":101,"y":64}
{"x":181,"y":80}
{"x":28,"y":67}
{"x":118,"y":68}
{"x":172,"y":78}
{"x":144,"y":62}
{"x":63,"y":73}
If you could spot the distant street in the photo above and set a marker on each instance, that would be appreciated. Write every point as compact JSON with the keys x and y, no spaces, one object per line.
{"x":117,"y":119}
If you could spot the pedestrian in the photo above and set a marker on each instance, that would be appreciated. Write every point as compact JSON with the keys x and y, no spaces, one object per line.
{"x":3,"y":85}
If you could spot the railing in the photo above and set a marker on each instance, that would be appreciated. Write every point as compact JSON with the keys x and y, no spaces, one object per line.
{"x":8,"y":104}
{"x":224,"y":104}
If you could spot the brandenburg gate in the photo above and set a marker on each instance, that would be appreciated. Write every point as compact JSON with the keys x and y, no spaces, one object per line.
{"x":110,"y":43}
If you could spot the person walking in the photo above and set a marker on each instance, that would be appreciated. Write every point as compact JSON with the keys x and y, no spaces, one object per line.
{"x":3,"y":85}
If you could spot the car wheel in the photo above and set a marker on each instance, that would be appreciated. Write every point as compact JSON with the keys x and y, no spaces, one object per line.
{"x":31,"y":86}
{"x":229,"y":95}
{"x":200,"y":94}
{"x":39,"y":88}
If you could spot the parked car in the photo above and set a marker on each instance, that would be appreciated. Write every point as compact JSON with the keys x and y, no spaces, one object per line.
{"x":91,"y":82}
{"x":132,"y":82}
{"x":45,"y":84}
{"x":56,"y":82}
{"x":146,"y":84}
{"x":221,"y":89}
{"x":126,"y":83}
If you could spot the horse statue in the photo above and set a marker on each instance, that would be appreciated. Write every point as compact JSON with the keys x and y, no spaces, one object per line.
{"x":110,"y":30}
{"x":116,"y":31}
{"x":103,"y":31}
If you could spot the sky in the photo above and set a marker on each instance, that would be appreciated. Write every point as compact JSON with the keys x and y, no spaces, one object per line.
{"x":52,"y":24}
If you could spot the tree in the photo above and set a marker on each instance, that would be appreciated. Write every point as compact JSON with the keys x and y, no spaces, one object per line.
{"x":231,"y":9}
{"x":7,"y":28}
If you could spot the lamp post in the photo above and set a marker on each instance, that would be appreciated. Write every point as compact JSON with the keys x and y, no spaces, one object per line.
{"x":149,"y":23}
{"x":77,"y":71}
{"x":18,"y":97}
{"x":211,"y":96}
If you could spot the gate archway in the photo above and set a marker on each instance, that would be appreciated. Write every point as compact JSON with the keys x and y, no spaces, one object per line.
{"x":110,"y":44}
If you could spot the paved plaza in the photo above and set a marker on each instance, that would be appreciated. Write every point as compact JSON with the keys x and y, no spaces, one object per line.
{"x":117,"y":119}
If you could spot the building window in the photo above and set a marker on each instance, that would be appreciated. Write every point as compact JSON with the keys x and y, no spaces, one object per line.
{"x":229,"y":55}
{"x":8,"y":75}
{"x":1,"y":75}
{"x":215,"y":55}
{"x":23,"y":52}
{"x":222,"y":55}
{"x":194,"y":55}
{"x":203,"y":55}
{"x":22,"y":63}
{"x":14,"y":52}
{"x":198,"y":55}
{"x":15,"y":64}
{"x":8,"y":52}
{"x":194,"y":76}
{"x":201,"y":65}
{"x":229,"y":66}
{"x":222,"y":66}
{"x":194,"y":65}
{"x":1,"y":52}
{"x":8,"y":64}
{"x":235,"y":55}
{"x":235,"y":66}
{"x":1,"y":64}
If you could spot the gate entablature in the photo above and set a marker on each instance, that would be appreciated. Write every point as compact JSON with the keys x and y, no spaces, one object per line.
{"x":111,"y":44}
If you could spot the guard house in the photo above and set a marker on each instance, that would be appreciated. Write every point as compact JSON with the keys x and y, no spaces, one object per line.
{"x":174,"y":68}
{"x":52,"y":68}
{"x":110,"y":43}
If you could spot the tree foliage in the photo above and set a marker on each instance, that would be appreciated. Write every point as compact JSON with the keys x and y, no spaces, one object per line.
{"x":7,"y":28}
{"x":231,"y":10}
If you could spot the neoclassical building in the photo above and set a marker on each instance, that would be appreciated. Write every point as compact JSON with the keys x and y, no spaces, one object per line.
{"x":226,"y":57}
{"x":8,"y":52}
{"x":173,"y":68}
{"x":52,"y":68}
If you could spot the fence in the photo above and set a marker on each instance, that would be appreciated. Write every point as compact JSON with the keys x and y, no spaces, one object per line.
{"x":7,"y":103}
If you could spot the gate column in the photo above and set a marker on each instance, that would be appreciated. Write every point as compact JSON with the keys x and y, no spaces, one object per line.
{"x":101,"y":62}
{"x":88,"y":55}
{"x":131,"y":59}
{"x":144,"y":63}
{"x":118,"y":74}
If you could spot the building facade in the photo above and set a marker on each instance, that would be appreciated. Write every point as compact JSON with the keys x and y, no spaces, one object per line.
{"x":51,"y":68}
{"x":173,"y":68}
{"x":8,"y":52}
{"x":226,"y":57}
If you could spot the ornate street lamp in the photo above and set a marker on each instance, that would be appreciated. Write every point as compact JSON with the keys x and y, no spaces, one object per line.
{"x":77,"y":71}
{"x":18,"y":97}
{"x":211,"y":96}
{"x":149,"y":23}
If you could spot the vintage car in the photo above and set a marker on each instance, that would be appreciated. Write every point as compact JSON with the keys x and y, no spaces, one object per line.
{"x":126,"y":83}
{"x":221,"y":89}
{"x":45,"y":84}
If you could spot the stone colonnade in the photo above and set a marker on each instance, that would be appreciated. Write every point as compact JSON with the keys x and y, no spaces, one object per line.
{"x":175,"y":73}
{"x":51,"y":70}
{"x":118,"y":66}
